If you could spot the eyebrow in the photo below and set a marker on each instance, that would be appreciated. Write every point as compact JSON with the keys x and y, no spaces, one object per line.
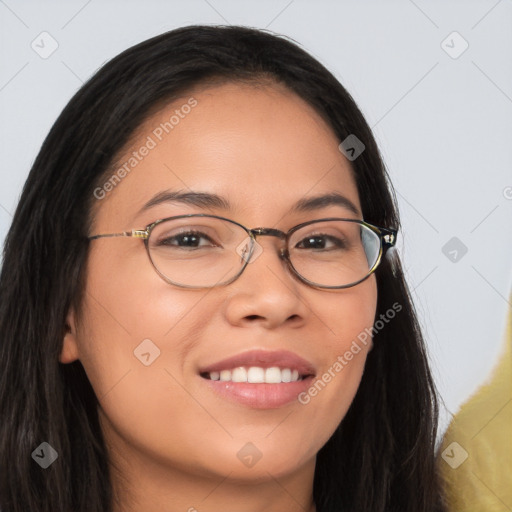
{"x":206,"y":200}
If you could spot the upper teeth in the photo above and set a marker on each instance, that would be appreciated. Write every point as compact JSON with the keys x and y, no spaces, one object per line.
{"x":256,"y":374}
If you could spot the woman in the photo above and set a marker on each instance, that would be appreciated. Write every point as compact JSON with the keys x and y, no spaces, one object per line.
{"x":211,"y":365}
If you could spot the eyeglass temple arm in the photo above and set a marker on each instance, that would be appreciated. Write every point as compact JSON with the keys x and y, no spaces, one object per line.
{"x":136,"y":233}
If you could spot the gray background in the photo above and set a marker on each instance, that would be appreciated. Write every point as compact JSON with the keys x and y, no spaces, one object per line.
{"x":441,"y":117}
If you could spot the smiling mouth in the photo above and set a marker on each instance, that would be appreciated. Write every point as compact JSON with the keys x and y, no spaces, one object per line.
{"x":260,"y":379}
{"x":256,"y":375}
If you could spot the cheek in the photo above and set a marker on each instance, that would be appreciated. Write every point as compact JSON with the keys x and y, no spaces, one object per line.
{"x":126,"y":298}
{"x":348,"y":317}
{"x":344,"y":350}
{"x":135,"y":333}
{"x":133,"y":321}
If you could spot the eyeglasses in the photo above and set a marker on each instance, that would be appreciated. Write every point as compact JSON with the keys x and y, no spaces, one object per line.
{"x":203,"y":251}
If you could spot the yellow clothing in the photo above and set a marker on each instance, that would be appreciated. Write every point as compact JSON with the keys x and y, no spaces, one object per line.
{"x":476,"y":453}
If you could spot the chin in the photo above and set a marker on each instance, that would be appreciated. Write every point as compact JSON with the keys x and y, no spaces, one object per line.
{"x":253,"y":462}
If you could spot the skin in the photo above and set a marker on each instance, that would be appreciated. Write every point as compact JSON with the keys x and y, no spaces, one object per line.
{"x":173,"y":442}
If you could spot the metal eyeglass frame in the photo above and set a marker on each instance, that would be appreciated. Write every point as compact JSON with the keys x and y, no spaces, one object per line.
{"x":387,"y":238}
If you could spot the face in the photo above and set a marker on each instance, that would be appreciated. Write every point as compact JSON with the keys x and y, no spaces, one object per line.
{"x":263,"y":149}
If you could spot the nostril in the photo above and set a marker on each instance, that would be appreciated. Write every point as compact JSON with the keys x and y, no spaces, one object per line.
{"x":253,"y":317}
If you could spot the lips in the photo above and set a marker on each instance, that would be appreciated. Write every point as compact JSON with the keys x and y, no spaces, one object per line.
{"x":259,"y":379}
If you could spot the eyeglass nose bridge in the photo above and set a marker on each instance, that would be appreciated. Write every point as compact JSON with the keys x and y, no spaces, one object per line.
{"x":268,"y":232}
{"x":283,"y":252}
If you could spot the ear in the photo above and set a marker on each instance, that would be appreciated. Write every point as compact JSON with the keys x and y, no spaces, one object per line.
{"x":69,"y":352}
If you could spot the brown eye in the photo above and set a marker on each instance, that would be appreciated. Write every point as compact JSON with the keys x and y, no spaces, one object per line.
{"x":187,"y":239}
{"x":319,"y":241}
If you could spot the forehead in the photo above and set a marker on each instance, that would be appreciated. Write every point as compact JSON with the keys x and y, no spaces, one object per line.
{"x":261,"y":147}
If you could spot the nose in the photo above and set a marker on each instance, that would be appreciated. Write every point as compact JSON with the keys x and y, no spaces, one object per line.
{"x":267,"y":292}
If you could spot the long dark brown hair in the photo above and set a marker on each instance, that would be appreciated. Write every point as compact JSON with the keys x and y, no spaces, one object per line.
{"x":382,"y":455}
